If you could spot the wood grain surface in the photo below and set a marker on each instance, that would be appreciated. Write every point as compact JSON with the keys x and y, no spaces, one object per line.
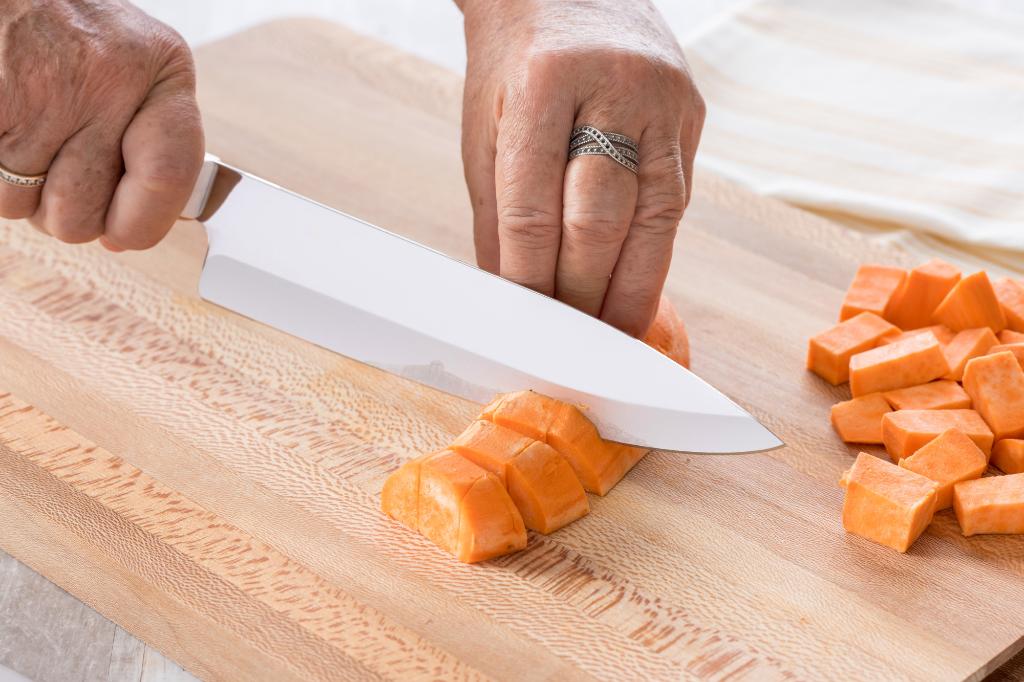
{"x":212,"y":485}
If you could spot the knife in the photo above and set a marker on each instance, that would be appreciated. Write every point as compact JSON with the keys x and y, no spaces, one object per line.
{"x":376,"y":297}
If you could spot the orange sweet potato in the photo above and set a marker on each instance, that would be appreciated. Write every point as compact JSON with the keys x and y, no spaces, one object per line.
{"x":459,"y":506}
{"x":860,"y":420}
{"x":829,"y":353}
{"x":990,"y":505}
{"x":971,"y":304}
{"x":905,"y":431}
{"x":667,"y":334}
{"x":599,"y":464}
{"x":970,"y":343}
{"x":540,"y":482}
{"x":871,"y":289}
{"x":1008,"y":455}
{"x":1010,"y":294}
{"x":935,"y":395}
{"x":912,"y":305}
{"x":941,"y":332}
{"x":910,"y":362}
{"x":1016,"y":348}
{"x":887,"y":504}
{"x":947,"y":460}
{"x":1008,"y":336}
{"x":996,"y":386}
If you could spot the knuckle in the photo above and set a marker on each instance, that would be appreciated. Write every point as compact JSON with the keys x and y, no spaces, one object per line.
{"x":595,"y":229}
{"x":528,"y":226}
{"x":166,"y":172}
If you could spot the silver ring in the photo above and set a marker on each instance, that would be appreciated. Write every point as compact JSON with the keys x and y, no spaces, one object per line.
{"x":12,"y":178}
{"x":587,"y":140}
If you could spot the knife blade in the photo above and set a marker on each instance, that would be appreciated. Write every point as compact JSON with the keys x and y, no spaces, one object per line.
{"x":384,"y":300}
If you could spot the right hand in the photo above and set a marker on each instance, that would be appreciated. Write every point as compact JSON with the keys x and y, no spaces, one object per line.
{"x":101,"y":97}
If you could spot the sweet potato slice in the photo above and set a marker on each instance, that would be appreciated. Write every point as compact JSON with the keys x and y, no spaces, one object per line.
{"x":971,"y":304}
{"x":947,"y":460}
{"x":1016,"y":348}
{"x":872,"y":288}
{"x":905,"y":431}
{"x":1010,"y":294}
{"x":990,"y":505}
{"x":1009,"y":336}
{"x":935,"y":395}
{"x":540,"y":482}
{"x":887,"y":504}
{"x":970,"y":343}
{"x":860,"y":420}
{"x":667,"y":334}
{"x":910,"y":362}
{"x":912,"y":305}
{"x":400,"y":497}
{"x":1008,"y":455}
{"x":599,"y":464}
{"x":829,"y":353}
{"x":996,"y":386}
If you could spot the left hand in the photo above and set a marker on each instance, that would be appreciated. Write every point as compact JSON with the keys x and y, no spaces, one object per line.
{"x":590,"y":233}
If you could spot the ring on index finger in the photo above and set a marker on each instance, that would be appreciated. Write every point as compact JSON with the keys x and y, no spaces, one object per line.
{"x":18,"y":180}
{"x":587,"y":140}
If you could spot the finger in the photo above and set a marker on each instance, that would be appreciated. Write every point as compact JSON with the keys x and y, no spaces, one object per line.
{"x":692,"y":127}
{"x":532,"y":148}
{"x":643,"y":264}
{"x":599,"y":201}
{"x":80,"y":185}
{"x":163,"y":152}
{"x":479,"y":146}
{"x":28,"y":151}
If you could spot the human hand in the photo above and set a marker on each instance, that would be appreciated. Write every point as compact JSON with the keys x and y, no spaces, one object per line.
{"x":590,"y":233}
{"x":101,"y":98}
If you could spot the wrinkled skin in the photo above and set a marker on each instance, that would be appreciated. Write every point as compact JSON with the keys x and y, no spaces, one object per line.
{"x":590,"y":233}
{"x":102,"y":97}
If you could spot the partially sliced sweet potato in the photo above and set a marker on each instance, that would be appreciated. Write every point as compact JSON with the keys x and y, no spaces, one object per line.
{"x":996,"y":386}
{"x":1016,"y":348}
{"x":971,"y":304}
{"x":667,"y":334}
{"x":872,"y":288}
{"x":935,"y":395}
{"x":540,"y":482}
{"x":910,"y":362}
{"x":887,"y":504}
{"x":860,"y":420}
{"x":1009,"y":336}
{"x":990,"y":505}
{"x":1010,"y":294}
{"x":1008,"y":456}
{"x":905,"y":431}
{"x":912,"y":305}
{"x":829,"y":353}
{"x":947,"y":460}
{"x":970,"y":343}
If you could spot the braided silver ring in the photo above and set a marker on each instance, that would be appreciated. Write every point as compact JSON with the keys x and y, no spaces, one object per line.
{"x":587,"y":140}
{"x":12,"y":178}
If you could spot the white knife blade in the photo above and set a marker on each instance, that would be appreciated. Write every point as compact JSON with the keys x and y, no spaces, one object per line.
{"x":336,"y":281}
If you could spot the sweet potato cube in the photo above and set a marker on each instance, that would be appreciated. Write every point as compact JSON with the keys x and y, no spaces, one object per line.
{"x":829,"y":353}
{"x":459,"y":506}
{"x":887,"y":504}
{"x":525,"y":412}
{"x":971,"y":304}
{"x":941,"y":332}
{"x":905,"y":431}
{"x":996,"y":386}
{"x":1016,"y":348}
{"x":540,"y":482}
{"x":1008,"y":455}
{"x":990,"y":505}
{"x":970,"y":343}
{"x":860,"y":420}
{"x":912,"y":305}
{"x":1010,"y":294}
{"x":871,"y":289}
{"x":935,"y":395}
{"x":910,"y":362}
{"x":1008,"y":336}
{"x":947,"y":460}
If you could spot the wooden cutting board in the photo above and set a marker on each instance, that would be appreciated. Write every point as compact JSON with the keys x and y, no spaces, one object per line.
{"x":212,"y":485}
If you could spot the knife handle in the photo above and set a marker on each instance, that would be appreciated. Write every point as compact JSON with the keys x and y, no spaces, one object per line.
{"x":201,"y":192}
